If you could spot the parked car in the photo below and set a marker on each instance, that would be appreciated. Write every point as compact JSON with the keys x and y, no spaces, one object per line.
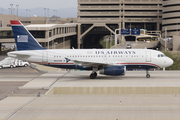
{"x":12,"y":62}
{"x":128,"y":46}
{"x":7,"y":62}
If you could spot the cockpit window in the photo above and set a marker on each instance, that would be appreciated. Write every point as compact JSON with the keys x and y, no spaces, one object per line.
{"x":161,"y":55}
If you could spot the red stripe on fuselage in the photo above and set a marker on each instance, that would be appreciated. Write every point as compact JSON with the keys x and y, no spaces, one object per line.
{"x":53,"y":63}
{"x":117,"y":63}
{"x":15,"y":22}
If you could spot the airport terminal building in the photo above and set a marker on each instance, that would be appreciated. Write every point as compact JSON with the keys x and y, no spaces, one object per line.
{"x":106,"y":15}
{"x":54,"y":35}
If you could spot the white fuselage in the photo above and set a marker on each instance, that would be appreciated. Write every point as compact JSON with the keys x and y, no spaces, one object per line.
{"x":131,"y":58}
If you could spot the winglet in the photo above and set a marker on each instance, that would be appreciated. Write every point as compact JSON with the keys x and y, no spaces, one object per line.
{"x":15,"y":22}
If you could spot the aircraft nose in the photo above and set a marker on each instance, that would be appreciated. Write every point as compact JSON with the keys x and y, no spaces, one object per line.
{"x":170,"y":62}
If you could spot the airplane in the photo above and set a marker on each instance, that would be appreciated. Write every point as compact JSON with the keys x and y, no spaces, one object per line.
{"x":112,"y":62}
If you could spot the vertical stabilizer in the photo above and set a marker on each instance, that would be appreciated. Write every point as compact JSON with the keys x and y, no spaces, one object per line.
{"x":23,"y":38}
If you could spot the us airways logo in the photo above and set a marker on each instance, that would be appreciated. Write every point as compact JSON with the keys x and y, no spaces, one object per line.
{"x":116,"y":52}
{"x":67,"y":60}
{"x":22,"y":38}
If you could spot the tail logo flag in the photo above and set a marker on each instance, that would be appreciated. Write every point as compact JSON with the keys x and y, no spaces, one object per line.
{"x":23,"y":38}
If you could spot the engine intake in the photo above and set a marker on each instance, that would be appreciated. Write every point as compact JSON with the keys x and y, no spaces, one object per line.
{"x":113,"y":70}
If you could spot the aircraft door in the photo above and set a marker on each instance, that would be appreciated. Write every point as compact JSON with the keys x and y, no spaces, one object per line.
{"x":105,"y":56}
{"x":148,"y":56}
{"x":45,"y":56}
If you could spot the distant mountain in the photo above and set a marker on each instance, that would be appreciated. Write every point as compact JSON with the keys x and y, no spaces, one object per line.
{"x":62,"y":12}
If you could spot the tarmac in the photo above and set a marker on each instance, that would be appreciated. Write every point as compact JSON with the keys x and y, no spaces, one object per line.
{"x":28,"y":94}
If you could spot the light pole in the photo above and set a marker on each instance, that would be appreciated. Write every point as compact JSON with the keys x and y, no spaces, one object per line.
{"x":17,"y":9}
{"x":54,"y":12}
{"x":26,"y":12}
{"x":29,"y":13}
{"x":48,"y":12}
{"x":14,"y":11}
{"x":64,"y":44}
{"x":165,"y":37}
{"x":44,"y":12}
{"x":11,"y":8}
{"x":177,"y":28}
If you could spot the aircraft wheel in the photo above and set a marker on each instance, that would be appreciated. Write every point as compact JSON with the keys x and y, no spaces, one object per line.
{"x":93,"y":75}
{"x":1,"y":67}
{"x":148,"y":76}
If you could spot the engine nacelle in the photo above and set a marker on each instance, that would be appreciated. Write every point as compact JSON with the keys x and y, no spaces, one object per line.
{"x":113,"y":70}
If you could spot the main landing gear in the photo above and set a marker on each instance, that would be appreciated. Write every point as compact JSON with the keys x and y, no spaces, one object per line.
{"x":147,"y":74}
{"x":93,"y":75}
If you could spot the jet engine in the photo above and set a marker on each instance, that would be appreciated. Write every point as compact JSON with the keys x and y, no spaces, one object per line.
{"x":113,"y":70}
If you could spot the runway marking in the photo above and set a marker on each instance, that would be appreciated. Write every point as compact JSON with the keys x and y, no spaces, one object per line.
{"x":19,"y":108}
{"x":94,"y":110}
{"x":176,"y":105}
{"x":95,"y":118}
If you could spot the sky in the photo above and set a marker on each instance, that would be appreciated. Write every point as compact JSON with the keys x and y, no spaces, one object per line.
{"x":29,"y":4}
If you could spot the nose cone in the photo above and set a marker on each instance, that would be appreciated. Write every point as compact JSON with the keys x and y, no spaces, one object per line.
{"x":170,"y":62}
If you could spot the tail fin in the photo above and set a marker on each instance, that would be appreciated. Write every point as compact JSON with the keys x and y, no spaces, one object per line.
{"x":23,"y":38}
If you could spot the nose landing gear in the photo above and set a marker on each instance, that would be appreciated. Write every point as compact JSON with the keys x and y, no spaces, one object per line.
{"x":147,"y":74}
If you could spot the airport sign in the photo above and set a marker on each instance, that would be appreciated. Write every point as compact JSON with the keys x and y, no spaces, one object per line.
{"x":135,"y":31}
{"x":125,"y":31}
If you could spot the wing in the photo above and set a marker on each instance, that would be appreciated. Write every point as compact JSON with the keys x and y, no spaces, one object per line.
{"x":98,"y":64}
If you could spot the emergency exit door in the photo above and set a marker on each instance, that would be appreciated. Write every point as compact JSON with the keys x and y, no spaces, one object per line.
{"x":148,"y":56}
{"x":45,"y":56}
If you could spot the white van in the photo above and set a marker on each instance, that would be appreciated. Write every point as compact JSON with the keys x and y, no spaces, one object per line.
{"x":12,"y":62}
{"x":7,"y":62}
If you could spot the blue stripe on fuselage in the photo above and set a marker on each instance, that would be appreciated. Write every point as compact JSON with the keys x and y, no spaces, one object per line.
{"x":90,"y":68}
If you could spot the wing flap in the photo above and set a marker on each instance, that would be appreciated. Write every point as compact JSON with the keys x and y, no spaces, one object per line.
{"x":94,"y":63}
